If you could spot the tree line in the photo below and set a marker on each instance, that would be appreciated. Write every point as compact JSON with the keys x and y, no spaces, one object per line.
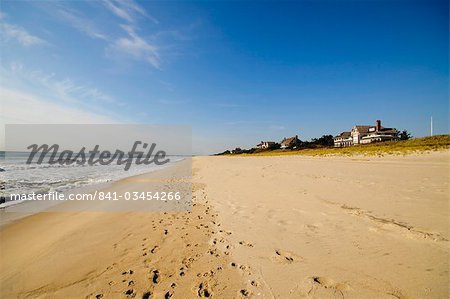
{"x":321,"y":142}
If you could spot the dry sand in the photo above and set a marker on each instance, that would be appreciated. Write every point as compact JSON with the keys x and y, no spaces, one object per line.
{"x":270,"y":227}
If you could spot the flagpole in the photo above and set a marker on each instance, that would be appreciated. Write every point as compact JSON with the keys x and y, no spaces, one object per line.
{"x":431,"y":126}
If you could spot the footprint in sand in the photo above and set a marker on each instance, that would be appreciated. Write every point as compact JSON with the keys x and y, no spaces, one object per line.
{"x":130,"y":293}
{"x":286,"y":257}
{"x":203,"y":290}
{"x":244,"y":293}
{"x":323,"y":287}
{"x":155,"y":277}
{"x":127,"y":272}
{"x":244,"y":243}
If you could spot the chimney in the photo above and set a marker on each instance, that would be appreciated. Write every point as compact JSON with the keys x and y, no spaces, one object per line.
{"x":378,"y":125}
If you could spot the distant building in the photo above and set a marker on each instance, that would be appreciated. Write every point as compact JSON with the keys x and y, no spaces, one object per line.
{"x":365,"y":134}
{"x":265,"y":144}
{"x":343,"y":139}
{"x":290,"y":143}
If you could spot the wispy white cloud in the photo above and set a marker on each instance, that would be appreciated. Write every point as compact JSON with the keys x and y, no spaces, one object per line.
{"x":125,"y":42}
{"x":19,"y":107}
{"x":128,"y":10}
{"x":135,"y":46}
{"x":10,"y":31}
{"x":81,"y":23}
{"x":132,"y":44}
{"x":34,"y":97}
{"x":64,"y":89}
{"x":128,"y":40}
{"x":23,"y":107}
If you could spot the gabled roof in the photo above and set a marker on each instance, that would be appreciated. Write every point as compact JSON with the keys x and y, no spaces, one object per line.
{"x":363,"y":129}
{"x":344,"y":135}
{"x":388,"y":130}
{"x":288,"y":141}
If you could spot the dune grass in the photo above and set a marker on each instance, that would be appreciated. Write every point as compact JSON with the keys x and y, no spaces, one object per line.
{"x":416,"y":145}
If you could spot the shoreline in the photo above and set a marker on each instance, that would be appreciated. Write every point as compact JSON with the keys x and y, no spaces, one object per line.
{"x":7,"y":217}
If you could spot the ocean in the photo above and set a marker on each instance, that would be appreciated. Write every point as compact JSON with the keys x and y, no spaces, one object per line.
{"x":18,"y":177}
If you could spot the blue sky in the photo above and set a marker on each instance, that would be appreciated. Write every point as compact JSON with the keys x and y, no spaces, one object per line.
{"x":237,"y":71}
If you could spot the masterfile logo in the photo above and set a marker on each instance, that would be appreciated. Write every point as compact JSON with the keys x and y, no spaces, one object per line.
{"x":53,"y":155}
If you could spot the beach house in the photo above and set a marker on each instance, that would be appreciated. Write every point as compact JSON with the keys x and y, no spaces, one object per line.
{"x":343,"y":139}
{"x":290,"y":143}
{"x":265,"y":144}
{"x":363,"y":134}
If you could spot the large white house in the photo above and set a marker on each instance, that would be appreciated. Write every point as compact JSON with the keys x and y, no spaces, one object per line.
{"x":365,"y":134}
{"x":265,"y":144}
{"x":343,"y":139}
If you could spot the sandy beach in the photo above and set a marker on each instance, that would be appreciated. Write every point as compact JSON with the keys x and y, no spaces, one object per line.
{"x":268,"y":227}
